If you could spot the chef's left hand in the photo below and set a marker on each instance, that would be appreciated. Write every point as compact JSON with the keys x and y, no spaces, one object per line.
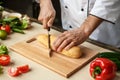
{"x":69,"y":39}
{"x":74,"y":37}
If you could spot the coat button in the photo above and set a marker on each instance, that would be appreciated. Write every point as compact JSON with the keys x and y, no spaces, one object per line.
{"x":66,"y":6}
{"x":70,"y":26}
{"x":82,"y":9}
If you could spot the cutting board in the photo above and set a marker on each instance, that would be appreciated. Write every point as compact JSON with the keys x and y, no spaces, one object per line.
{"x":59,"y":63}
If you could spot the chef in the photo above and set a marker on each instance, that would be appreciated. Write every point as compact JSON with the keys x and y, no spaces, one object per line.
{"x":83,"y":19}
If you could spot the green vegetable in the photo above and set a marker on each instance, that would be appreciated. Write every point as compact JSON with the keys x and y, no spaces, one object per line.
{"x":114,"y":56}
{"x":1,"y":8}
{"x":14,"y":19}
{"x":3,"y":34}
{"x":17,"y":30}
{"x":16,"y":24}
{"x":1,"y":70}
{"x":3,"y":50}
{"x":109,"y":55}
{"x":24,"y":24}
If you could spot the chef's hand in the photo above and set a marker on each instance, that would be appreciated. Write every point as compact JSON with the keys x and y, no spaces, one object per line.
{"x":47,"y":14}
{"x":77,"y":36}
{"x":69,"y":39}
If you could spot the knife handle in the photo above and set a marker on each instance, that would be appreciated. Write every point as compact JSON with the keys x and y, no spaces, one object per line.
{"x":48,"y":29}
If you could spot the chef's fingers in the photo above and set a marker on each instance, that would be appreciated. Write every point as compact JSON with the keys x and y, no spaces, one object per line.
{"x":58,"y":42}
{"x":40,"y":19}
{"x":45,"y":21}
{"x":64,"y":44}
{"x":69,"y":46}
{"x":50,"y":22}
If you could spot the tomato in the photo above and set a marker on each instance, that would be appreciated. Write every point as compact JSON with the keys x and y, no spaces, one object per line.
{"x":3,"y":34}
{"x":18,"y":70}
{"x":23,"y":69}
{"x":4,"y":60}
{"x":13,"y":71}
{"x":6,"y":28}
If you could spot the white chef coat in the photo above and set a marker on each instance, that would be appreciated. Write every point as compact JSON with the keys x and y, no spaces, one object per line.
{"x":37,"y":1}
{"x":74,"y":12}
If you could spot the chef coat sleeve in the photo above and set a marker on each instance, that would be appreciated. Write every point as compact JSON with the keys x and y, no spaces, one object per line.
{"x":106,"y":9}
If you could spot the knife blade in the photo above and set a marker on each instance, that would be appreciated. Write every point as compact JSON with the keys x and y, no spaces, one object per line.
{"x":49,"y":42}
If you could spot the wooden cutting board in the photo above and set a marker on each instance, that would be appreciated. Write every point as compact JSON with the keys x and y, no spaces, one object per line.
{"x":59,"y":63}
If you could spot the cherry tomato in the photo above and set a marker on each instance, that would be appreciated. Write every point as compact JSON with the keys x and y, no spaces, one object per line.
{"x":13,"y":71}
{"x":6,"y":28}
{"x":23,"y":69}
{"x":4,"y":60}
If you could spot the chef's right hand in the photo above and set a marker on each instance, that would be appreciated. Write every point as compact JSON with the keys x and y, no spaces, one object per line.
{"x":47,"y":14}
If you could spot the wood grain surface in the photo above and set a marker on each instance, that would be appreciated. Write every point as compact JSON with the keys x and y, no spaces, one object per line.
{"x":59,"y":63}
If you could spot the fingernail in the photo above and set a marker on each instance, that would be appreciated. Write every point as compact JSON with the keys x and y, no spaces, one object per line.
{"x":49,"y":25}
{"x":66,"y":48}
{"x":54,"y":48}
{"x":58,"y":50}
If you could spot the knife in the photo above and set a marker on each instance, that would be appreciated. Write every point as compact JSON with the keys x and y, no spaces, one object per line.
{"x":49,"y":42}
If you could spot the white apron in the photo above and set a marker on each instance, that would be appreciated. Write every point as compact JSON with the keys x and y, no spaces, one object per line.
{"x":74,"y":12}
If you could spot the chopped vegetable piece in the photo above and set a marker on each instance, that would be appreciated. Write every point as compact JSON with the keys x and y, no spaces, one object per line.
{"x":13,"y":71}
{"x":23,"y":69}
{"x":18,"y":70}
{"x":3,"y":50}
{"x":4,"y":60}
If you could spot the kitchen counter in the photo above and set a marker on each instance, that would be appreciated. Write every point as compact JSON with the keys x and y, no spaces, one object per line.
{"x":39,"y":72}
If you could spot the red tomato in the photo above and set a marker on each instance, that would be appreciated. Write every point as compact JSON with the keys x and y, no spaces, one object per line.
{"x":13,"y":71}
{"x":18,"y":70}
{"x":4,"y":60}
{"x":23,"y":69}
{"x":6,"y":28}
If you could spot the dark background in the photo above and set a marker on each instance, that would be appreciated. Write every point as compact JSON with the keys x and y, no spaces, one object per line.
{"x":31,"y":8}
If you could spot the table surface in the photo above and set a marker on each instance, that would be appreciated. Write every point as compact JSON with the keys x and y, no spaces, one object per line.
{"x":39,"y":72}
